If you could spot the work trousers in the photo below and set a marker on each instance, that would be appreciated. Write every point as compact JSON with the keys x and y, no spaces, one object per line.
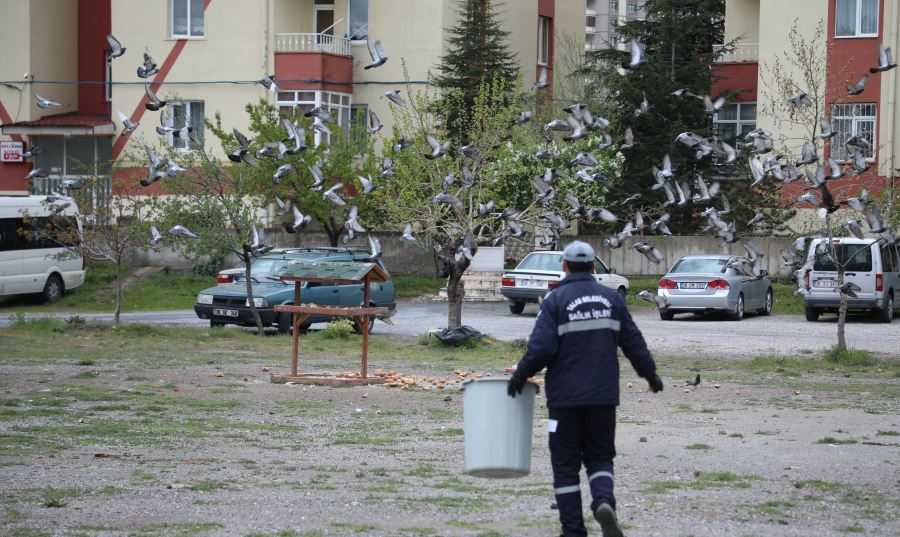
{"x":582,"y":435}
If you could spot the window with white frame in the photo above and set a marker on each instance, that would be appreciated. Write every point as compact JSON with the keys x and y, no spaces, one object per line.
{"x":856,"y":18}
{"x":107,"y":89}
{"x":591,"y":21}
{"x":735,"y":120}
{"x":848,"y":120}
{"x":543,"y":57}
{"x":337,"y":104}
{"x":182,"y":114}
{"x":288,"y":101}
{"x":358,"y":17}
{"x":631,"y":9}
{"x":187,"y":18}
{"x":614,"y":7}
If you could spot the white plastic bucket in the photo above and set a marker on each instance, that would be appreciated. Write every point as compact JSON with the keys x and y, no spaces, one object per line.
{"x":497,"y":428}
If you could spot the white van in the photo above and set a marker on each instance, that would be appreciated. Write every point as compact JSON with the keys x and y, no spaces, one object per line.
{"x":29,"y":264}
{"x":869,"y":263}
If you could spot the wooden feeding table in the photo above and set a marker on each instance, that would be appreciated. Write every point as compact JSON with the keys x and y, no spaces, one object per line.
{"x":338,"y":273}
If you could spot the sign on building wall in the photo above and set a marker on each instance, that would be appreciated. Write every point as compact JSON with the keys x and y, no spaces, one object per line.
{"x":11,"y":151}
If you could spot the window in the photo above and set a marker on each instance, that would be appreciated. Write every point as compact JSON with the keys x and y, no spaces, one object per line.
{"x":338,"y":104}
{"x":614,"y":41}
{"x":359,"y":122}
{"x":186,"y":113}
{"x":70,"y":158}
{"x":187,"y":18}
{"x":735,"y":120}
{"x":856,"y":18}
{"x":861,"y":260}
{"x":107,"y":89}
{"x":599,"y":267}
{"x":591,"y":21}
{"x":614,"y":7}
{"x":632,"y":9}
{"x":887,"y":259}
{"x":359,"y":20}
{"x":852,"y":120}
{"x":543,"y":57}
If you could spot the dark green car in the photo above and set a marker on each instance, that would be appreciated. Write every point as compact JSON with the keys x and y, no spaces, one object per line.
{"x":227,"y":303}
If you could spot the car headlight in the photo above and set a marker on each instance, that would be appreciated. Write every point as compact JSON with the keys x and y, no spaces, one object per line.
{"x":204,"y":299}
{"x":258,"y":302}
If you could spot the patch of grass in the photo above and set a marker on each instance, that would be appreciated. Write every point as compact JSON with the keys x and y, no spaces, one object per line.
{"x":699,"y":446}
{"x":207,"y":485}
{"x":85,"y":361}
{"x":425,"y":470}
{"x":778,"y":508}
{"x":852,"y":357}
{"x":836,"y":441}
{"x":457,"y":485}
{"x":305,"y":408}
{"x":706,"y":480}
{"x":13,"y":515}
{"x":282,"y":533}
{"x":28,"y":532}
{"x":852,"y":529}
{"x":887,"y":433}
{"x":419,"y":531}
{"x":470,"y":503}
{"x":355,"y":528}
{"x":186,"y":529}
{"x":55,"y":498}
{"x":416,"y":286}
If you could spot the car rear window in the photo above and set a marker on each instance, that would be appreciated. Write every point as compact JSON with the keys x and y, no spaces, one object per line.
{"x":541,"y":262}
{"x":855,"y":257}
{"x":700,"y":265}
{"x":264,"y":266}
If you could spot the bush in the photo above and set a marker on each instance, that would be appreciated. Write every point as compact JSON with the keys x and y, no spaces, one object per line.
{"x":75,"y":320}
{"x":339,"y":329}
{"x":835,"y":355}
{"x":210,"y":267}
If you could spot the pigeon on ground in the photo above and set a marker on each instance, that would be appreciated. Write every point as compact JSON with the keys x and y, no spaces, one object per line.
{"x":116,"y":49}
{"x":694,"y":382}
{"x":377,"y":54}
{"x":153,"y":102}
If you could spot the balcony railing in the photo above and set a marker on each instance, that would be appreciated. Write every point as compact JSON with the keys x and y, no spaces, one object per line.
{"x":312,"y":43}
{"x":742,"y":53}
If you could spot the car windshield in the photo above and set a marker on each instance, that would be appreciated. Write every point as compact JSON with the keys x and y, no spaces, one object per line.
{"x":700,"y":265}
{"x":861,"y":259}
{"x":541,"y":262}
{"x":267,"y":267}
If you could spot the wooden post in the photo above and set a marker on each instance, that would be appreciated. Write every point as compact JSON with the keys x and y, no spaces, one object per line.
{"x":365,"y":327}
{"x":295,"y":329}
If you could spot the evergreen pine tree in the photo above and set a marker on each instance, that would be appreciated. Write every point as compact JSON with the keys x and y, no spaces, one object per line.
{"x":477,"y":53}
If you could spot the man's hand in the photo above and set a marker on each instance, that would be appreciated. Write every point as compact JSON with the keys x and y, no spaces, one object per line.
{"x":656,"y":384}
{"x":515,"y":385}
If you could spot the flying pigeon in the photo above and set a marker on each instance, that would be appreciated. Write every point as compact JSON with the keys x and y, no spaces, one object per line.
{"x":637,"y":55}
{"x":153,"y":103}
{"x":179,"y":230}
{"x":523,"y":118}
{"x":116,"y":48}
{"x":33,"y":152}
{"x":885,"y":60}
{"x":443,"y":197}
{"x":808,"y":155}
{"x":155,"y":236}
{"x":377,"y":54}
{"x":331,"y":194}
{"x":437,"y":149}
{"x":45,"y":103}
{"x":367,"y":184}
{"x":629,"y":139}
{"x":374,"y":246}
{"x":268,"y":82}
{"x":855,"y":227}
{"x":318,"y":177}
{"x":652,"y":253}
{"x":284,"y":207}
{"x":801,"y":99}
{"x":543,"y":79}
{"x":300,"y":220}
{"x":757,"y":218}
{"x":127,"y":125}
{"x":149,"y":68}
{"x":826,"y":127}
{"x":37,"y":173}
{"x":283,"y":171}
{"x":858,"y":88}
{"x":321,"y":114}
{"x":850,"y":289}
{"x":394,"y":97}
{"x":374,"y":123}
{"x":653,"y":298}
{"x":243,"y":146}
{"x":408,"y":234}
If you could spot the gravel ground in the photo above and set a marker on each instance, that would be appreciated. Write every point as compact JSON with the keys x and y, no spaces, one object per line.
{"x":743,"y":458}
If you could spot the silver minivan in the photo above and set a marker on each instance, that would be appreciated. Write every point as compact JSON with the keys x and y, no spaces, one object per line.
{"x":869,"y":263}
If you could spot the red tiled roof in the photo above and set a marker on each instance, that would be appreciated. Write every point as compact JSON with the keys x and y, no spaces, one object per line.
{"x":72,"y":119}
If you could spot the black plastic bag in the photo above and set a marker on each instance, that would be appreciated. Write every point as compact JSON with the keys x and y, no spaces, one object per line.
{"x":455,"y":337}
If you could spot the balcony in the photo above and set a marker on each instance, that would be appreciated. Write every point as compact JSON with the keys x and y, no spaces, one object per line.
{"x":313,"y":62}
{"x":742,"y":53}
{"x":312,"y":43}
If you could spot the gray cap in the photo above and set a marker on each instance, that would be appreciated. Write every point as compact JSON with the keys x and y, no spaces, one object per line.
{"x":578,"y":252}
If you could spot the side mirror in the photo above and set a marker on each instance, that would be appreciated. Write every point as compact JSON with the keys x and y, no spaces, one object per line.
{"x":763,"y":272}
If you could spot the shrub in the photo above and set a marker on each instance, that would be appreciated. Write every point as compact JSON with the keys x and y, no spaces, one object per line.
{"x":75,"y":320}
{"x":339,"y":329}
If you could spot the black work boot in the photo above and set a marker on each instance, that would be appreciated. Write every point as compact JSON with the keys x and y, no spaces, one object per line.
{"x":606,"y":516}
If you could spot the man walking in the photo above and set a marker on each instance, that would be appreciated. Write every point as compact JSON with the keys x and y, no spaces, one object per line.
{"x":578,"y":329}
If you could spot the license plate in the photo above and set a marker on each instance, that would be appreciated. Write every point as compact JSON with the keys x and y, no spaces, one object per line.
{"x":825,"y":283}
{"x":692,"y":285}
{"x":540,"y":284}
{"x":222,"y":312}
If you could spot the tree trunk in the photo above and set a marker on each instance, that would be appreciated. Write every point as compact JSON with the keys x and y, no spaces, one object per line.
{"x":118,"y":290}
{"x":332,"y":230}
{"x":455,"y":292}
{"x":842,"y":312}
{"x":249,"y":281}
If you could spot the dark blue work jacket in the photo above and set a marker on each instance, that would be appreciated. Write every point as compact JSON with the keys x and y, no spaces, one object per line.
{"x":578,"y":328}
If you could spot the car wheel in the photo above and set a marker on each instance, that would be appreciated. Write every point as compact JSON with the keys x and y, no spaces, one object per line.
{"x":283,"y":323}
{"x":371,"y":325}
{"x":622,"y":292}
{"x":767,"y":308}
{"x":738,"y":313}
{"x":812,"y":314}
{"x":886,"y":314}
{"x":53,"y":289}
{"x":666,"y":315}
{"x":516,"y":307}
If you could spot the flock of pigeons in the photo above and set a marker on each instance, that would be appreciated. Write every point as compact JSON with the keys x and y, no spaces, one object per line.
{"x":579,"y":123}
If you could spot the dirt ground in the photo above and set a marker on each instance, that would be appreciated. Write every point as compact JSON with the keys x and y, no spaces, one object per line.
{"x":755,"y":449}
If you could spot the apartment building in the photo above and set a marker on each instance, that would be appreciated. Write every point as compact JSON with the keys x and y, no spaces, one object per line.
{"x":848,"y":48}
{"x":603,"y":16}
{"x":209,"y":54}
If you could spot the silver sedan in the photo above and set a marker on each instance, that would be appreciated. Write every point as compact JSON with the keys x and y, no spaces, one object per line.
{"x":706,"y":283}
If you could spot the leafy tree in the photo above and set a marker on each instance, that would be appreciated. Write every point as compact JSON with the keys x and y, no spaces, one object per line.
{"x":112,"y":226}
{"x":678,"y":38}
{"x":476,"y":53}
{"x":500,"y":169}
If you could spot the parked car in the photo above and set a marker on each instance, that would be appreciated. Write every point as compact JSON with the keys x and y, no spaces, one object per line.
{"x":30,"y":262}
{"x":702,"y":284}
{"x":227,"y":303}
{"x":870,"y":264}
{"x":540,"y":272}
